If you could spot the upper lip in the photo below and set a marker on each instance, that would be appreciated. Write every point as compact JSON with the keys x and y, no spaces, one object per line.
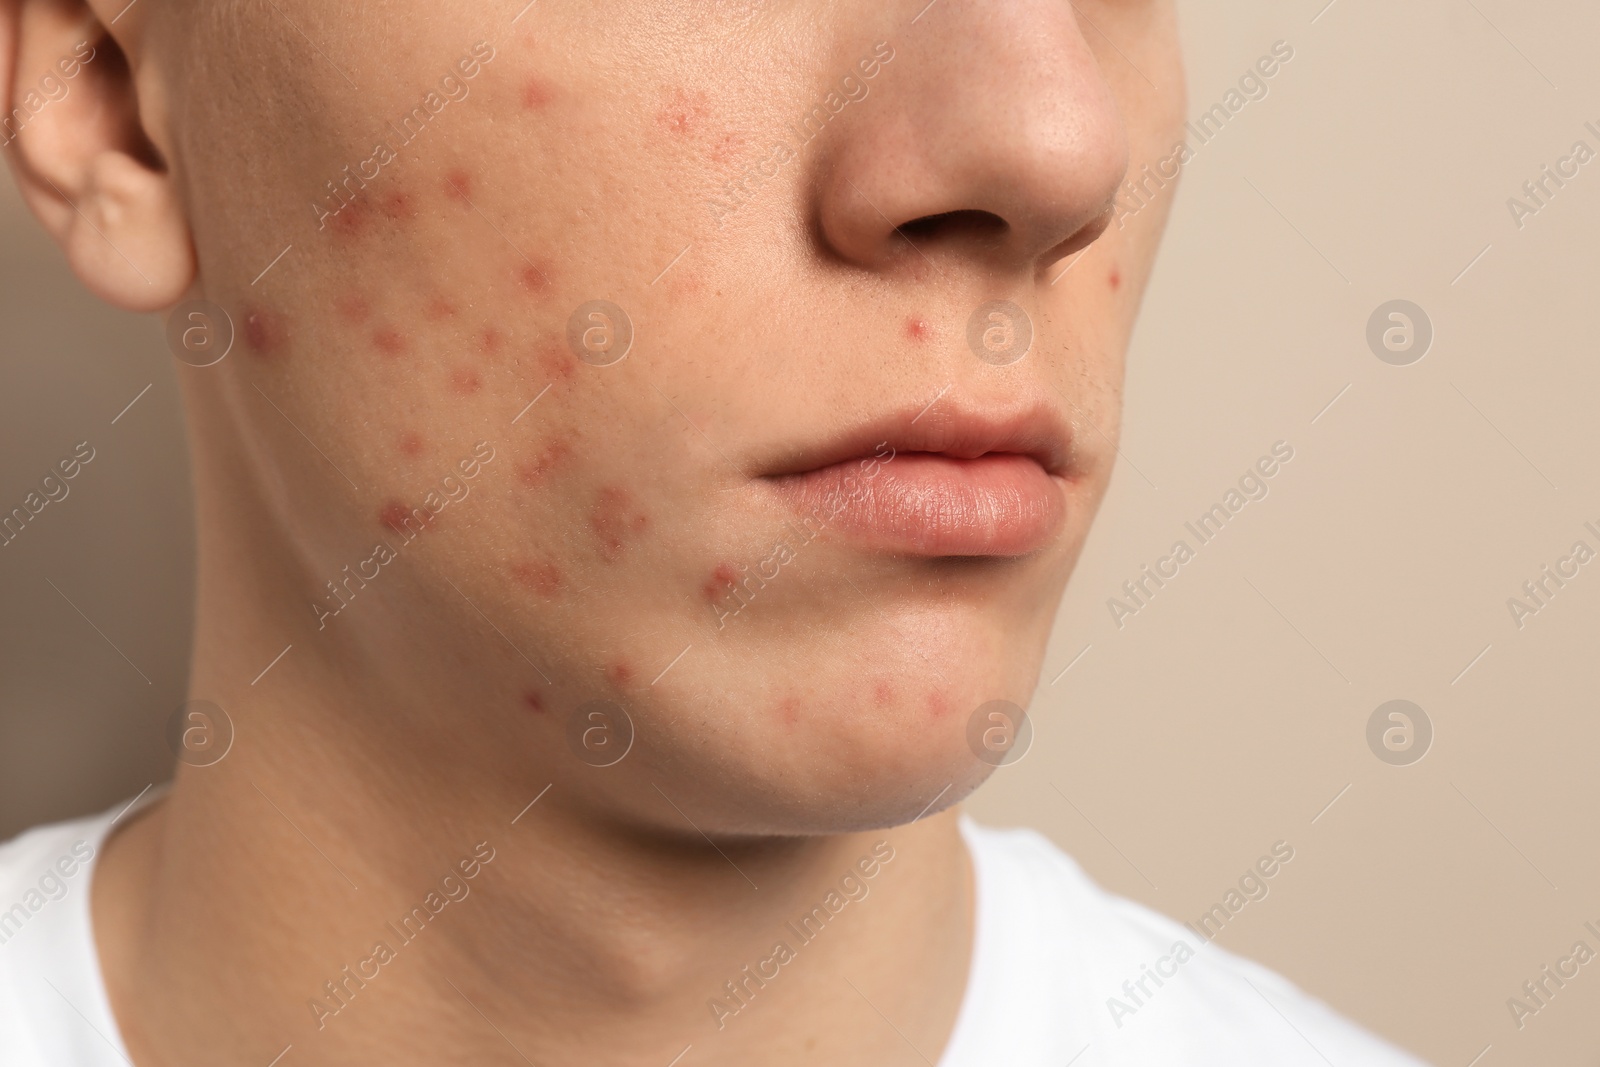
{"x":947,"y":428}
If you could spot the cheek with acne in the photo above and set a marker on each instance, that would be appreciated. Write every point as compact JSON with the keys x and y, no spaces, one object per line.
{"x":533,"y":701}
{"x":918,"y":329}
{"x":1114,"y":279}
{"x":464,"y":381}
{"x":883,"y":694}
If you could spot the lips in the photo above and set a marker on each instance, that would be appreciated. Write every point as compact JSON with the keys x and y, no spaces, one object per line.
{"x":957,"y":484}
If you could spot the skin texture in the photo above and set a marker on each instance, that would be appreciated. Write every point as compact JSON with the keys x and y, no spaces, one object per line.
{"x":395,"y":347}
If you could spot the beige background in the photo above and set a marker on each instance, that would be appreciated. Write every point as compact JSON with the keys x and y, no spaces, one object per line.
{"x":1228,"y":713}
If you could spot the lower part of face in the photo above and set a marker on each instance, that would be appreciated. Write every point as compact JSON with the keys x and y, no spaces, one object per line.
{"x":629,"y":374}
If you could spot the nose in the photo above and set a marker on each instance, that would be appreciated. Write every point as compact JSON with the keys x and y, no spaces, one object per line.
{"x":992,"y":135}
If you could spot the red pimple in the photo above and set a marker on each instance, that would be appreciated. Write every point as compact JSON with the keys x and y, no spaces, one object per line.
{"x":465,"y":382}
{"x":400,"y":518}
{"x":616,"y":521}
{"x":918,"y":329}
{"x":556,"y":359}
{"x":389,"y":341}
{"x":411,"y":444}
{"x":1115,"y":279}
{"x":533,"y":700}
{"x":684,"y":112}
{"x":261,"y":331}
{"x":542,"y":578}
{"x":938,"y":704}
{"x":438,"y":308}
{"x":533,"y":279}
{"x":536,"y":93}
{"x":491,"y":340}
{"x":620,"y":674}
{"x":397,"y":205}
{"x":458,"y":185}
{"x":352,"y":307}
{"x":531,"y":472}
{"x":726,"y":148}
{"x":350,"y":220}
{"x":722,"y":579}
{"x":883,"y":694}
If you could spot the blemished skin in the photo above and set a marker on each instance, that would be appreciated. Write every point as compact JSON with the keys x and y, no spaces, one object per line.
{"x":587,"y":545}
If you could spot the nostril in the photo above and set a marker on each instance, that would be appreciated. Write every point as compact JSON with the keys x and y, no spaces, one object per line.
{"x":983,"y":225}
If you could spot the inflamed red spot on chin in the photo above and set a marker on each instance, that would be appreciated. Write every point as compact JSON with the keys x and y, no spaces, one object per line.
{"x":918,"y":329}
{"x":389,"y":341}
{"x":542,"y":578}
{"x":883,"y":694}
{"x":619,"y":673}
{"x":533,"y":701}
{"x":464,"y":381}
{"x":616,"y":521}
{"x":938,"y":704}
{"x":1114,"y":279}
{"x":411,"y":444}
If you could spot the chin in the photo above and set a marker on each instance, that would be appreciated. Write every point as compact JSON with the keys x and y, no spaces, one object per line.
{"x":881,"y":739}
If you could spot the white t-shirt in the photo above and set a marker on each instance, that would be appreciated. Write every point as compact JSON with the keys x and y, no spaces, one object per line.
{"x":1053,"y":952}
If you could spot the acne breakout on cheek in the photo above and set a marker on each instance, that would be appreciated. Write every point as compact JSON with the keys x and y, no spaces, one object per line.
{"x":453,"y":87}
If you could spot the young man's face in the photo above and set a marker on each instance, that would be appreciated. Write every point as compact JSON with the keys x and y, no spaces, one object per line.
{"x":555,"y":303}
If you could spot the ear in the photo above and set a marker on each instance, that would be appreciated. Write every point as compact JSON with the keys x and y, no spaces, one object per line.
{"x":74,"y":133}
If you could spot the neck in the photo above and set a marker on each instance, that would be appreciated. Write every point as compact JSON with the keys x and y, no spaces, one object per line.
{"x":362,"y":876}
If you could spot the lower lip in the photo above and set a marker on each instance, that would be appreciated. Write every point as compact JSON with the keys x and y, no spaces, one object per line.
{"x":928,"y":504}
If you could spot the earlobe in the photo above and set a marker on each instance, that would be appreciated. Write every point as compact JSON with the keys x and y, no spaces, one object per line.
{"x":83,"y":159}
{"x":127,"y":237}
